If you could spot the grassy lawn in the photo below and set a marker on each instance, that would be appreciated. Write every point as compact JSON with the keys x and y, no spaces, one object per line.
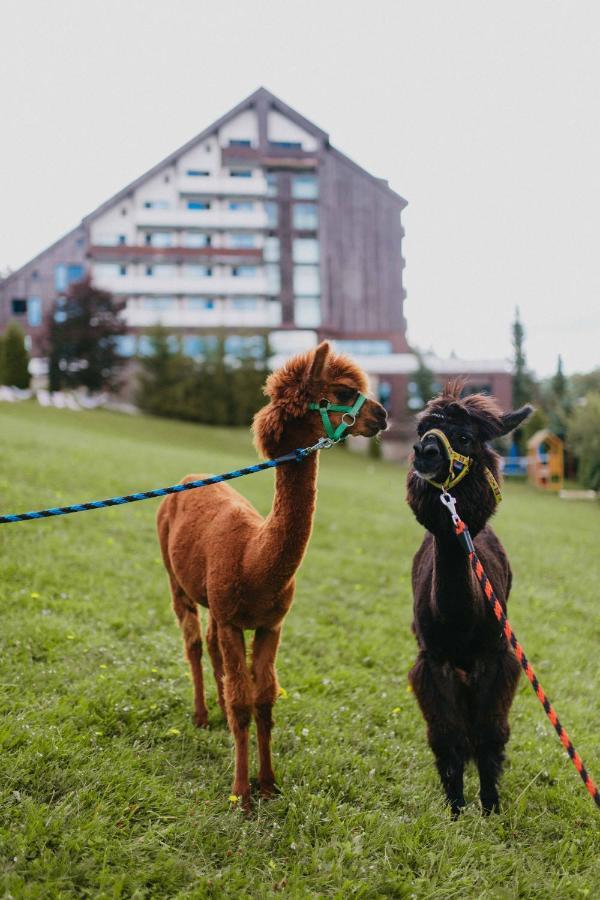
{"x":107,"y":789}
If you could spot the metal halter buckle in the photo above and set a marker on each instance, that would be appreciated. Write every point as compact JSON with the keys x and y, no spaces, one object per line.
{"x":450,"y":503}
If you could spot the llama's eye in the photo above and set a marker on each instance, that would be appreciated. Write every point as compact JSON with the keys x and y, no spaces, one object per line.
{"x":344,"y":396}
{"x":464,"y":438}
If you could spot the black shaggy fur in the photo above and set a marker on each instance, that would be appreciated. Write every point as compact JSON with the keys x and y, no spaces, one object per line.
{"x":465,"y":675}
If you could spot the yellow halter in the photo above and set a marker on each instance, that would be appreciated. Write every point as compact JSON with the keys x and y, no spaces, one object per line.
{"x":461,"y":464}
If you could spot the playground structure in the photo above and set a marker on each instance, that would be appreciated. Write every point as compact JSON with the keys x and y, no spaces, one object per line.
{"x":546,"y":460}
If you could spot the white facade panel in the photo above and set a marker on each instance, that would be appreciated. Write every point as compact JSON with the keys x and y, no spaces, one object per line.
{"x":256,"y":186}
{"x":243,"y":127}
{"x":220,"y":285}
{"x":202,"y":218}
{"x":280,"y":128}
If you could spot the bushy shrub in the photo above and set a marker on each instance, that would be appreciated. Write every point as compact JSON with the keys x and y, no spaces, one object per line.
{"x":584,"y":439}
{"x":214,"y":390}
{"x":14,"y":359}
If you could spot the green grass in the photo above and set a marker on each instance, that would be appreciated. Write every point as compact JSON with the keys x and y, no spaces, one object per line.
{"x":106,"y":788}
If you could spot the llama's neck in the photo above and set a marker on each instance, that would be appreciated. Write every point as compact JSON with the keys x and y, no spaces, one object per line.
{"x":284,"y":535}
{"x":454,"y":594}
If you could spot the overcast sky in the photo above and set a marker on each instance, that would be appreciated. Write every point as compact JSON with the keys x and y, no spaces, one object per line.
{"x":484,"y":116}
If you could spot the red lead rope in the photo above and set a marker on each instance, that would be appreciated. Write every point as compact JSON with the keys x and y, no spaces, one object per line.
{"x":463,"y":535}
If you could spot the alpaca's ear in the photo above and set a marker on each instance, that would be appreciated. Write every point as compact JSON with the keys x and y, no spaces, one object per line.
{"x":512,"y":420}
{"x":319,"y":362}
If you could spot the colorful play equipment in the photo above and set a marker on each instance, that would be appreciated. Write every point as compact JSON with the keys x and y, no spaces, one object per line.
{"x":546,"y":460}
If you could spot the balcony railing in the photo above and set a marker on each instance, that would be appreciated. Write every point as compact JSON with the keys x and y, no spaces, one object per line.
{"x":202,"y":218}
{"x":148,"y":254}
{"x":233,"y":186}
{"x":267,"y":314}
{"x":215,"y":286}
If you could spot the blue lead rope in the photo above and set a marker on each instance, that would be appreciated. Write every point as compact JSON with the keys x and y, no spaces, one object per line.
{"x":294,"y":456}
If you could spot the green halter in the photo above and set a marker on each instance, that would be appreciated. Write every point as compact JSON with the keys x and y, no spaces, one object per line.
{"x":351,"y":412}
{"x":459,"y":467}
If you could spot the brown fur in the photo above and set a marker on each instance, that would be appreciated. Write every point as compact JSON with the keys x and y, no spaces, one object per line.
{"x":465,"y":675}
{"x":220,"y":553}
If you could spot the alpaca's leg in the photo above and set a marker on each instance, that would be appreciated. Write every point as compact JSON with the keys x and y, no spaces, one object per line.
{"x":212,"y":642}
{"x":438,"y":693}
{"x":495,"y":683}
{"x":238,"y":701}
{"x":189,"y":622}
{"x":264,"y":651}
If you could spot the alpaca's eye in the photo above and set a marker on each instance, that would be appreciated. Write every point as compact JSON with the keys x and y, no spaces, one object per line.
{"x":344,"y":396}
{"x":464,"y":438}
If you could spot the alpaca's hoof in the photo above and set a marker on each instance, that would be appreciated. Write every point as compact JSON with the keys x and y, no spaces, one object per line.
{"x":490,"y":805}
{"x":267,"y":789}
{"x":456,"y":807}
{"x":201,"y":719}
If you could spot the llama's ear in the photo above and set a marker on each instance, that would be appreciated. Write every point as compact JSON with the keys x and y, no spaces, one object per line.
{"x":319,"y":362}
{"x":512,"y":420}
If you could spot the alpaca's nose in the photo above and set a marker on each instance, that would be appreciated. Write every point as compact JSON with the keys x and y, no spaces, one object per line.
{"x":429,"y":451}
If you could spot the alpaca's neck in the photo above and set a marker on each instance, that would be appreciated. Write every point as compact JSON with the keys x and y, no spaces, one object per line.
{"x":284,"y":535}
{"x":454,"y":591}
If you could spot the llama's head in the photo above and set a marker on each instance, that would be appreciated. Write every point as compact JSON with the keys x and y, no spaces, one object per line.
{"x":307,"y":380}
{"x":467,"y":424}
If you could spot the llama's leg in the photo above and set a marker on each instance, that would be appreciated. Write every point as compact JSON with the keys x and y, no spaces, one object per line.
{"x":264,"y":651}
{"x":238,"y":702}
{"x":212,"y":642}
{"x":189,"y":622}
{"x":438,"y":692}
{"x":494,"y":682}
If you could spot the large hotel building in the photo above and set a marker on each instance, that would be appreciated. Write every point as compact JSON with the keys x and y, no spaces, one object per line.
{"x":257,"y":226}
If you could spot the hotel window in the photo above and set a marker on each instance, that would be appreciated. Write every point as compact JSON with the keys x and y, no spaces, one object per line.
{"x":122,"y":270}
{"x":125,"y":344}
{"x":159,"y":239}
{"x":121,"y":239}
{"x":242,"y":240}
{"x":200,"y":303}
{"x":245,"y":345}
{"x":146,"y":345}
{"x":238,"y":205}
{"x":272,"y":184}
{"x":195,"y":239}
{"x":199,"y":345}
{"x":240,"y":142}
{"x":307,"y":312}
{"x":198,"y":204}
{"x":272,"y":211}
{"x":240,"y":173}
{"x":18,"y":306}
{"x":244,"y":302}
{"x":305,"y":250}
{"x":286,"y":145}
{"x":156,"y":204}
{"x":244,"y":271}
{"x":34,"y":311}
{"x":65,"y":275}
{"x":306,"y":280}
{"x":197,"y":173}
{"x":193,"y":271}
{"x":305,"y":187}
{"x":305,"y":216}
{"x":365,"y":347}
{"x":271,"y":249}
{"x":149,"y":271}
{"x":273,"y":276}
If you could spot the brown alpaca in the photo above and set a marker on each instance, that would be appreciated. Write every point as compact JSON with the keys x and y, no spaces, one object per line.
{"x":219,"y":552}
{"x":465,"y":675}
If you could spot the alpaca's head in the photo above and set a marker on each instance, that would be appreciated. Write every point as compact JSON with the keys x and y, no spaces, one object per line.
{"x":468,"y":424}
{"x":286,"y":422}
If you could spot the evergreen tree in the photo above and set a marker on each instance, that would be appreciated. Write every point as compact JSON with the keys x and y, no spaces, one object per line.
{"x":522,"y":386}
{"x":559,"y":402}
{"x":424,"y":379}
{"x":83,"y":340}
{"x":14,"y":359}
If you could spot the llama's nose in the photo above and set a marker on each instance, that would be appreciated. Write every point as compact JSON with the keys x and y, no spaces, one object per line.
{"x":427,"y":451}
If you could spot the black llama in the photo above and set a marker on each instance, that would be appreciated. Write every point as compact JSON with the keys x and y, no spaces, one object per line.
{"x":465,"y":675}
